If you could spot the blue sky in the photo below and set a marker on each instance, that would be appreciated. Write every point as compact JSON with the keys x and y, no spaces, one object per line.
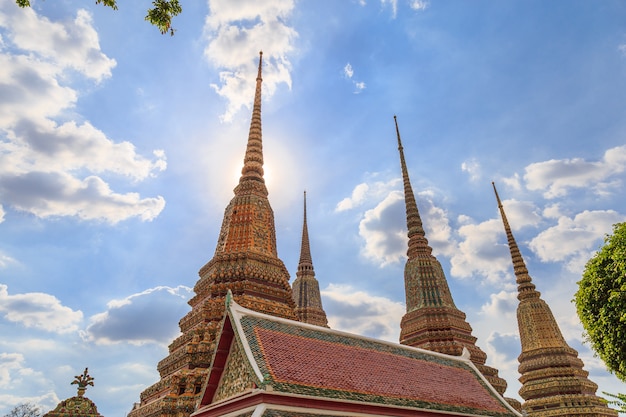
{"x":119,"y":150}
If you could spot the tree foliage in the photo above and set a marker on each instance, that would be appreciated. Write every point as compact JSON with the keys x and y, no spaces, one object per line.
{"x":619,"y":401}
{"x":160,"y":15}
{"x":24,"y":410}
{"x":601,"y":301}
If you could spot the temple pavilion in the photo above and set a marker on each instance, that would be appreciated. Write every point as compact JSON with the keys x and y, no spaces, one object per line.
{"x":253,"y":345}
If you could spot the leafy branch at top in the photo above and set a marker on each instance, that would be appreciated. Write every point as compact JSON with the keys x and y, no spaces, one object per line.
{"x":160,"y":15}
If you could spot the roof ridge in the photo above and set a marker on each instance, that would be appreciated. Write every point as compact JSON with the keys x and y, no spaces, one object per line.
{"x":239,"y":311}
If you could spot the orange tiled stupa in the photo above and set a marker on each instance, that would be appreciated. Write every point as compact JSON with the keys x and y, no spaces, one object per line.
{"x":246,"y":263}
{"x":554,"y":382}
{"x":432,"y":320}
{"x":306,"y":289}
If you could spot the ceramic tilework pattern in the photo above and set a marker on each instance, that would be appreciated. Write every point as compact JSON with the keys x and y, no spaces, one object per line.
{"x":554,"y":382}
{"x":316,"y":363}
{"x":236,"y":377}
{"x":432,"y":321}
{"x":246,"y":263}
{"x":75,"y":407}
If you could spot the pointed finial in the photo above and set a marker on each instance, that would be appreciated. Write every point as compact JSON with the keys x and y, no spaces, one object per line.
{"x":525,"y":287}
{"x":306,"y":262}
{"x":416,"y":234}
{"x":495,"y":190}
{"x":253,"y":160}
{"x":83,"y":381}
{"x":395,"y":119}
{"x":258,"y":77}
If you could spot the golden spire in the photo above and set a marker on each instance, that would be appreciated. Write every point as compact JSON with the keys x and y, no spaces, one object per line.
{"x":416,"y":234}
{"x":245,"y":263}
{"x":432,"y":321}
{"x":253,"y":160}
{"x":554,"y":382}
{"x":526,"y":289}
{"x":306,"y":289}
{"x":306,"y":261}
{"x":426,"y":285}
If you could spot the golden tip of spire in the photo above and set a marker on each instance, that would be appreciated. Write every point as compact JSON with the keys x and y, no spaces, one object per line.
{"x":496,"y":192}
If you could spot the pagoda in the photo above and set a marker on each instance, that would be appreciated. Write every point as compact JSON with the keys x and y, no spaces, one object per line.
{"x":554,"y":382}
{"x":306,"y":289}
{"x":246,"y":263}
{"x":432,"y":320}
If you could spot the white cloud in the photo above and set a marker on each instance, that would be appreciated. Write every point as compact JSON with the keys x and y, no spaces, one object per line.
{"x":502,"y":351}
{"x":557,"y":177}
{"x":72,"y":45}
{"x":47,"y":164}
{"x":38,"y":310}
{"x":553,"y":211}
{"x":394,"y":6}
{"x":348,"y":71}
{"x":521,"y":214}
{"x":418,"y":4}
{"x":16,"y":376}
{"x":483,"y":249}
{"x":150,"y":316}
{"x":48,"y":147}
{"x":472,"y":167}
{"x":59,"y":194}
{"x":358,"y":312}
{"x":573,"y":240}
{"x":235,"y":33}
{"x":480,"y":253}
{"x":513,"y":182}
{"x":356,"y":199}
{"x":9,"y":362}
{"x":383,"y":229}
{"x":368,"y":193}
{"x":383,"y":223}
{"x":502,"y":304}
{"x":5,"y":260}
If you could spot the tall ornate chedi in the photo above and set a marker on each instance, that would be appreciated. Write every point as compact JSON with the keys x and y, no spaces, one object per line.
{"x":552,"y":376}
{"x":306,"y":289}
{"x":245,"y":262}
{"x":432,"y":321}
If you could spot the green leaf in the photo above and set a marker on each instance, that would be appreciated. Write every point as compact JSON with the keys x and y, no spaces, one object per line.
{"x":601,"y":301}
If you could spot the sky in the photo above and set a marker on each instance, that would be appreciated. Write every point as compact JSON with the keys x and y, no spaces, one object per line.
{"x":120,"y":148}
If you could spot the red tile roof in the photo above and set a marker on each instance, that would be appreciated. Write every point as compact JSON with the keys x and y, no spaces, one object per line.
{"x":330,"y":365}
{"x":310,"y":363}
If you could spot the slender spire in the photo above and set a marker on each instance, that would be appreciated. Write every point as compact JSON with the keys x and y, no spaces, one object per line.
{"x":245,"y":264}
{"x":526,"y":289}
{"x":432,"y":321}
{"x":427,"y":285}
{"x":552,"y":376}
{"x":253,"y":160}
{"x":306,"y":288}
{"x":416,"y":234}
{"x":305,"y":249}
